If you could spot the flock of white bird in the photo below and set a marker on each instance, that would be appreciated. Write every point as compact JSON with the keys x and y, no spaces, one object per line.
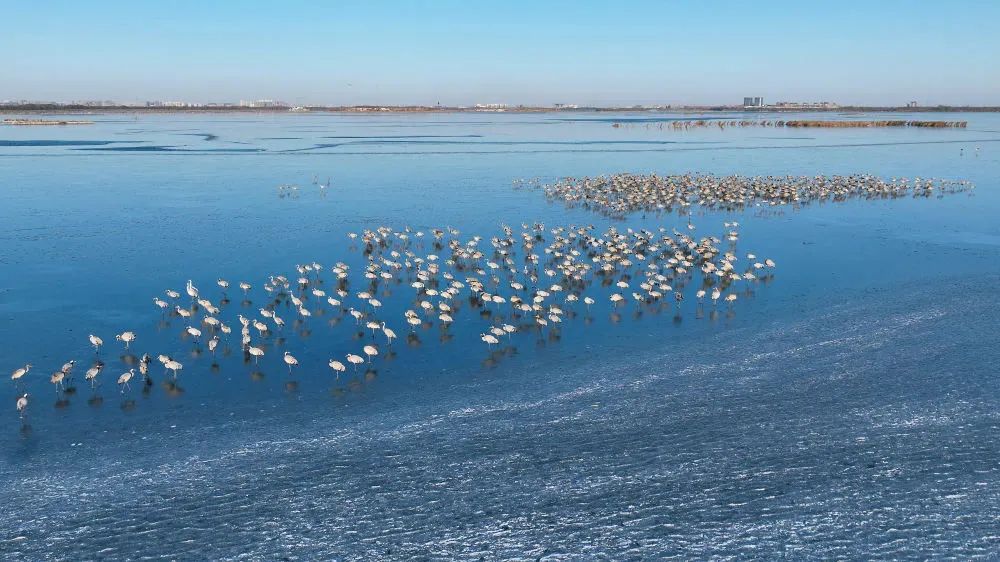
{"x":531,"y":279}
{"x":620,"y":194}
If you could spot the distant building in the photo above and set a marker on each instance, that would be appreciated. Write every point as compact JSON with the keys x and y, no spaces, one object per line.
{"x":491,"y":106}
{"x":171,"y":104}
{"x":94,"y":103}
{"x":805,"y":105}
{"x":262,"y":103}
{"x":911,"y":104}
{"x":756,"y":101}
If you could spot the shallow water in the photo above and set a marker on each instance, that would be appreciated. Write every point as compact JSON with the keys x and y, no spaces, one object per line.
{"x":845,"y":409}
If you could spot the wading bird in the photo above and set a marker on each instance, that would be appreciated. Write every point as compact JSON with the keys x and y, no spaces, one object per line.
{"x":18,"y":373}
{"x":256,"y":352}
{"x":291,"y":361}
{"x":355,"y":360}
{"x":126,"y":338}
{"x":22,"y":404}
{"x":124,"y":378}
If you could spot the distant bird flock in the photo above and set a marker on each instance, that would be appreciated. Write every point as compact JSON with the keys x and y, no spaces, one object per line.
{"x":516,"y":283}
{"x":620,"y":194}
{"x":686,"y":124}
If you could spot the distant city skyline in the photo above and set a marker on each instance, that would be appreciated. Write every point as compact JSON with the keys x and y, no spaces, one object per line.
{"x":455,"y":53}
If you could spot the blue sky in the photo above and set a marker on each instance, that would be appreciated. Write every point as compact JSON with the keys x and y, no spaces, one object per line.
{"x":605,"y":53}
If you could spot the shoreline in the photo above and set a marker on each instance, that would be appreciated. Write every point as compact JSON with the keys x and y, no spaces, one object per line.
{"x":379,"y":110}
{"x":42,"y":122}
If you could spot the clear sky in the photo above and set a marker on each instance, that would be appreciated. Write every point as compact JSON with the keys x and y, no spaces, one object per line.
{"x":884,"y":52}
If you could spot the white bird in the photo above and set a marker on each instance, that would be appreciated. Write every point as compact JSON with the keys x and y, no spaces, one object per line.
{"x":96,"y":342}
{"x":57,"y":379}
{"x":17,"y":374}
{"x":389,"y":334}
{"x":22,"y":404}
{"x":126,"y":338}
{"x":256,"y":352}
{"x":291,"y":361}
{"x":124,"y":378}
{"x":194,"y":332}
{"x":192,"y":291}
{"x":337,"y":366}
{"x":370,"y":351}
{"x":489,"y":339}
{"x":355,"y":360}
{"x":213,"y":343}
{"x":173,"y":366}
{"x":92,"y":373}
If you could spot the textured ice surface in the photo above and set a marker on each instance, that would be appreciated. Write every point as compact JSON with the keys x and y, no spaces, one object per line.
{"x":858,"y":431}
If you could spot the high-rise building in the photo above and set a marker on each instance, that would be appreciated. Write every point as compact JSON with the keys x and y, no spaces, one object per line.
{"x":753,"y":102}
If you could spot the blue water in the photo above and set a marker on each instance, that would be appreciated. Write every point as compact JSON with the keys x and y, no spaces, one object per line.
{"x":847,"y":408}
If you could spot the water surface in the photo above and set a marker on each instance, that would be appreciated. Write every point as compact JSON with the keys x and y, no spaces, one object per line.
{"x":846,"y":409}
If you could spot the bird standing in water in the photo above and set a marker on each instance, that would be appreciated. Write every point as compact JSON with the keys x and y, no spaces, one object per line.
{"x":291,"y":361}
{"x":124,"y":378}
{"x":17,"y":374}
